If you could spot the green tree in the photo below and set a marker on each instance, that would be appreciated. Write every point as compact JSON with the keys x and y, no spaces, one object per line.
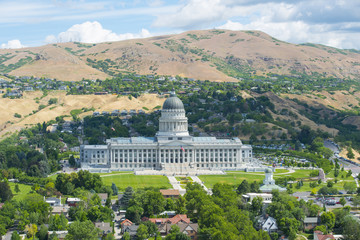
{"x":351,"y":228}
{"x":58,"y":222}
{"x":126,"y":236}
{"x":328,"y":219}
{"x":114,"y":189}
{"x":243,"y":188}
{"x":180,"y":205}
{"x":349,"y":187}
{"x":43,"y":232}
{"x":142,"y":232}
{"x":72,"y":161}
{"x":128,"y":194}
{"x":17,"y":189}
{"x":82,"y":231}
{"x":356,"y":201}
{"x":2,"y":230}
{"x":5,"y":191}
{"x":15,"y":236}
{"x":350,"y":153}
{"x":256,"y":205}
{"x":342,"y":201}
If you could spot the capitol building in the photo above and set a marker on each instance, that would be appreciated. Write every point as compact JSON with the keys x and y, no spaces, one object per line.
{"x":171,"y":150}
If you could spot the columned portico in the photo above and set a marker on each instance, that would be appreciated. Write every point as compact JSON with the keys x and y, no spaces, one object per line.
{"x":172,"y":150}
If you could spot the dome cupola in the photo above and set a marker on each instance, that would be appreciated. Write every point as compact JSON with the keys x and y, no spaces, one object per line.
{"x":173,"y":103}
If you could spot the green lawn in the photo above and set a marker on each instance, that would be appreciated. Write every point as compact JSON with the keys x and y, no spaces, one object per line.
{"x":24,"y":190}
{"x":123,"y":180}
{"x":236,"y":177}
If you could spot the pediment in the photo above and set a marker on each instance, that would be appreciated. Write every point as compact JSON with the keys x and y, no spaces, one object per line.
{"x":176,"y":143}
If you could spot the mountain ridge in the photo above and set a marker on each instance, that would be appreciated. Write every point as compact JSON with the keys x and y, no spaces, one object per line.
{"x":215,"y":55}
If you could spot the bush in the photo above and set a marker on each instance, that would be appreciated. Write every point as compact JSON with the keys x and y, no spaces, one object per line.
{"x":17,"y":115}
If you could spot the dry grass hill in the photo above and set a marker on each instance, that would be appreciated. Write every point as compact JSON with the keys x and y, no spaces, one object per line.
{"x":216,"y":55}
{"x":26,"y":105}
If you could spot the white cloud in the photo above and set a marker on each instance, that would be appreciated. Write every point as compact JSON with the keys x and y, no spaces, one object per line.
{"x":12,"y":44}
{"x":93,"y":32}
{"x":299,"y":32}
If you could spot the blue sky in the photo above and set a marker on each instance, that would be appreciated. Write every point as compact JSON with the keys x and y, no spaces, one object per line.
{"x":38,"y":22}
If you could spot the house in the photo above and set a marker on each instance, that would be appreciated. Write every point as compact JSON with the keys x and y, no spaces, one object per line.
{"x":105,"y":227}
{"x":131,"y":230}
{"x":53,"y":201}
{"x":318,"y":235}
{"x":128,"y":226}
{"x":174,"y":220}
{"x":59,"y":234}
{"x":311,"y":222}
{"x":60,"y":210}
{"x":266,"y":197}
{"x":268,"y":224}
{"x":170,"y":193}
{"x":169,"y":214}
{"x":190,"y":229}
{"x":103,"y":197}
{"x":72,"y":202}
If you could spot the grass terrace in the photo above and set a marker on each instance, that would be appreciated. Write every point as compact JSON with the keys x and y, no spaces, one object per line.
{"x":124,"y":179}
{"x":24,"y":190}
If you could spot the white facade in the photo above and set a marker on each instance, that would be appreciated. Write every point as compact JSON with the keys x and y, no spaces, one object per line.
{"x":172,"y":149}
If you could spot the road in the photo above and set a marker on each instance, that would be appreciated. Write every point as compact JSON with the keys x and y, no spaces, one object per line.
{"x":355,"y":169}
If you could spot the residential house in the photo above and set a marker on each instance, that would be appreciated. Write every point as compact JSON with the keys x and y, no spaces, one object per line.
{"x":266,"y":197}
{"x":105,"y":227}
{"x":72,"y":202}
{"x":268,"y":224}
{"x":190,"y":229}
{"x":59,"y":234}
{"x":103,"y":197}
{"x":129,"y":227}
{"x":170,"y":193}
{"x":318,"y":235}
{"x":57,"y":210}
{"x":311,"y":222}
{"x":53,"y":201}
{"x":174,"y":220}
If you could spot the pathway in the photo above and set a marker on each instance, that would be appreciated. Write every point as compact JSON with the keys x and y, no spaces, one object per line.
{"x":176,"y":184}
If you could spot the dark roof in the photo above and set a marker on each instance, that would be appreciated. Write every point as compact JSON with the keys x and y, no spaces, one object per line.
{"x":173,"y":102}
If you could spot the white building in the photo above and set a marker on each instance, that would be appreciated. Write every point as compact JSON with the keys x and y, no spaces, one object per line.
{"x":172,"y":149}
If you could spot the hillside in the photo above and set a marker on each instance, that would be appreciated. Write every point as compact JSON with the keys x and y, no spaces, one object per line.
{"x":28,"y":107}
{"x":215,"y":55}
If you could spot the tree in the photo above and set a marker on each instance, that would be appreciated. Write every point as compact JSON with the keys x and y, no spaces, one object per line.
{"x":256,"y":205}
{"x":82,"y":231}
{"x":17,"y":189}
{"x":5,"y":191}
{"x":243,"y":188}
{"x":328,"y":219}
{"x":356,"y":201}
{"x":126,"y":236}
{"x":351,"y":228}
{"x":128,"y":194}
{"x":180,"y":205}
{"x":43,"y":232}
{"x":330,"y":184}
{"x":350,"y":187}
{"x":15,"y":236}
{"x":134,"y":213}
{"x":31,"y":230}
{"x":114,"y":189}
{"x":2,"y":230}
{"x":342,"y":201}
{"x":350,"y":153}
{"x":142,"y":232}
{"x":58,"y":222}
{"x":72,"y":161}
